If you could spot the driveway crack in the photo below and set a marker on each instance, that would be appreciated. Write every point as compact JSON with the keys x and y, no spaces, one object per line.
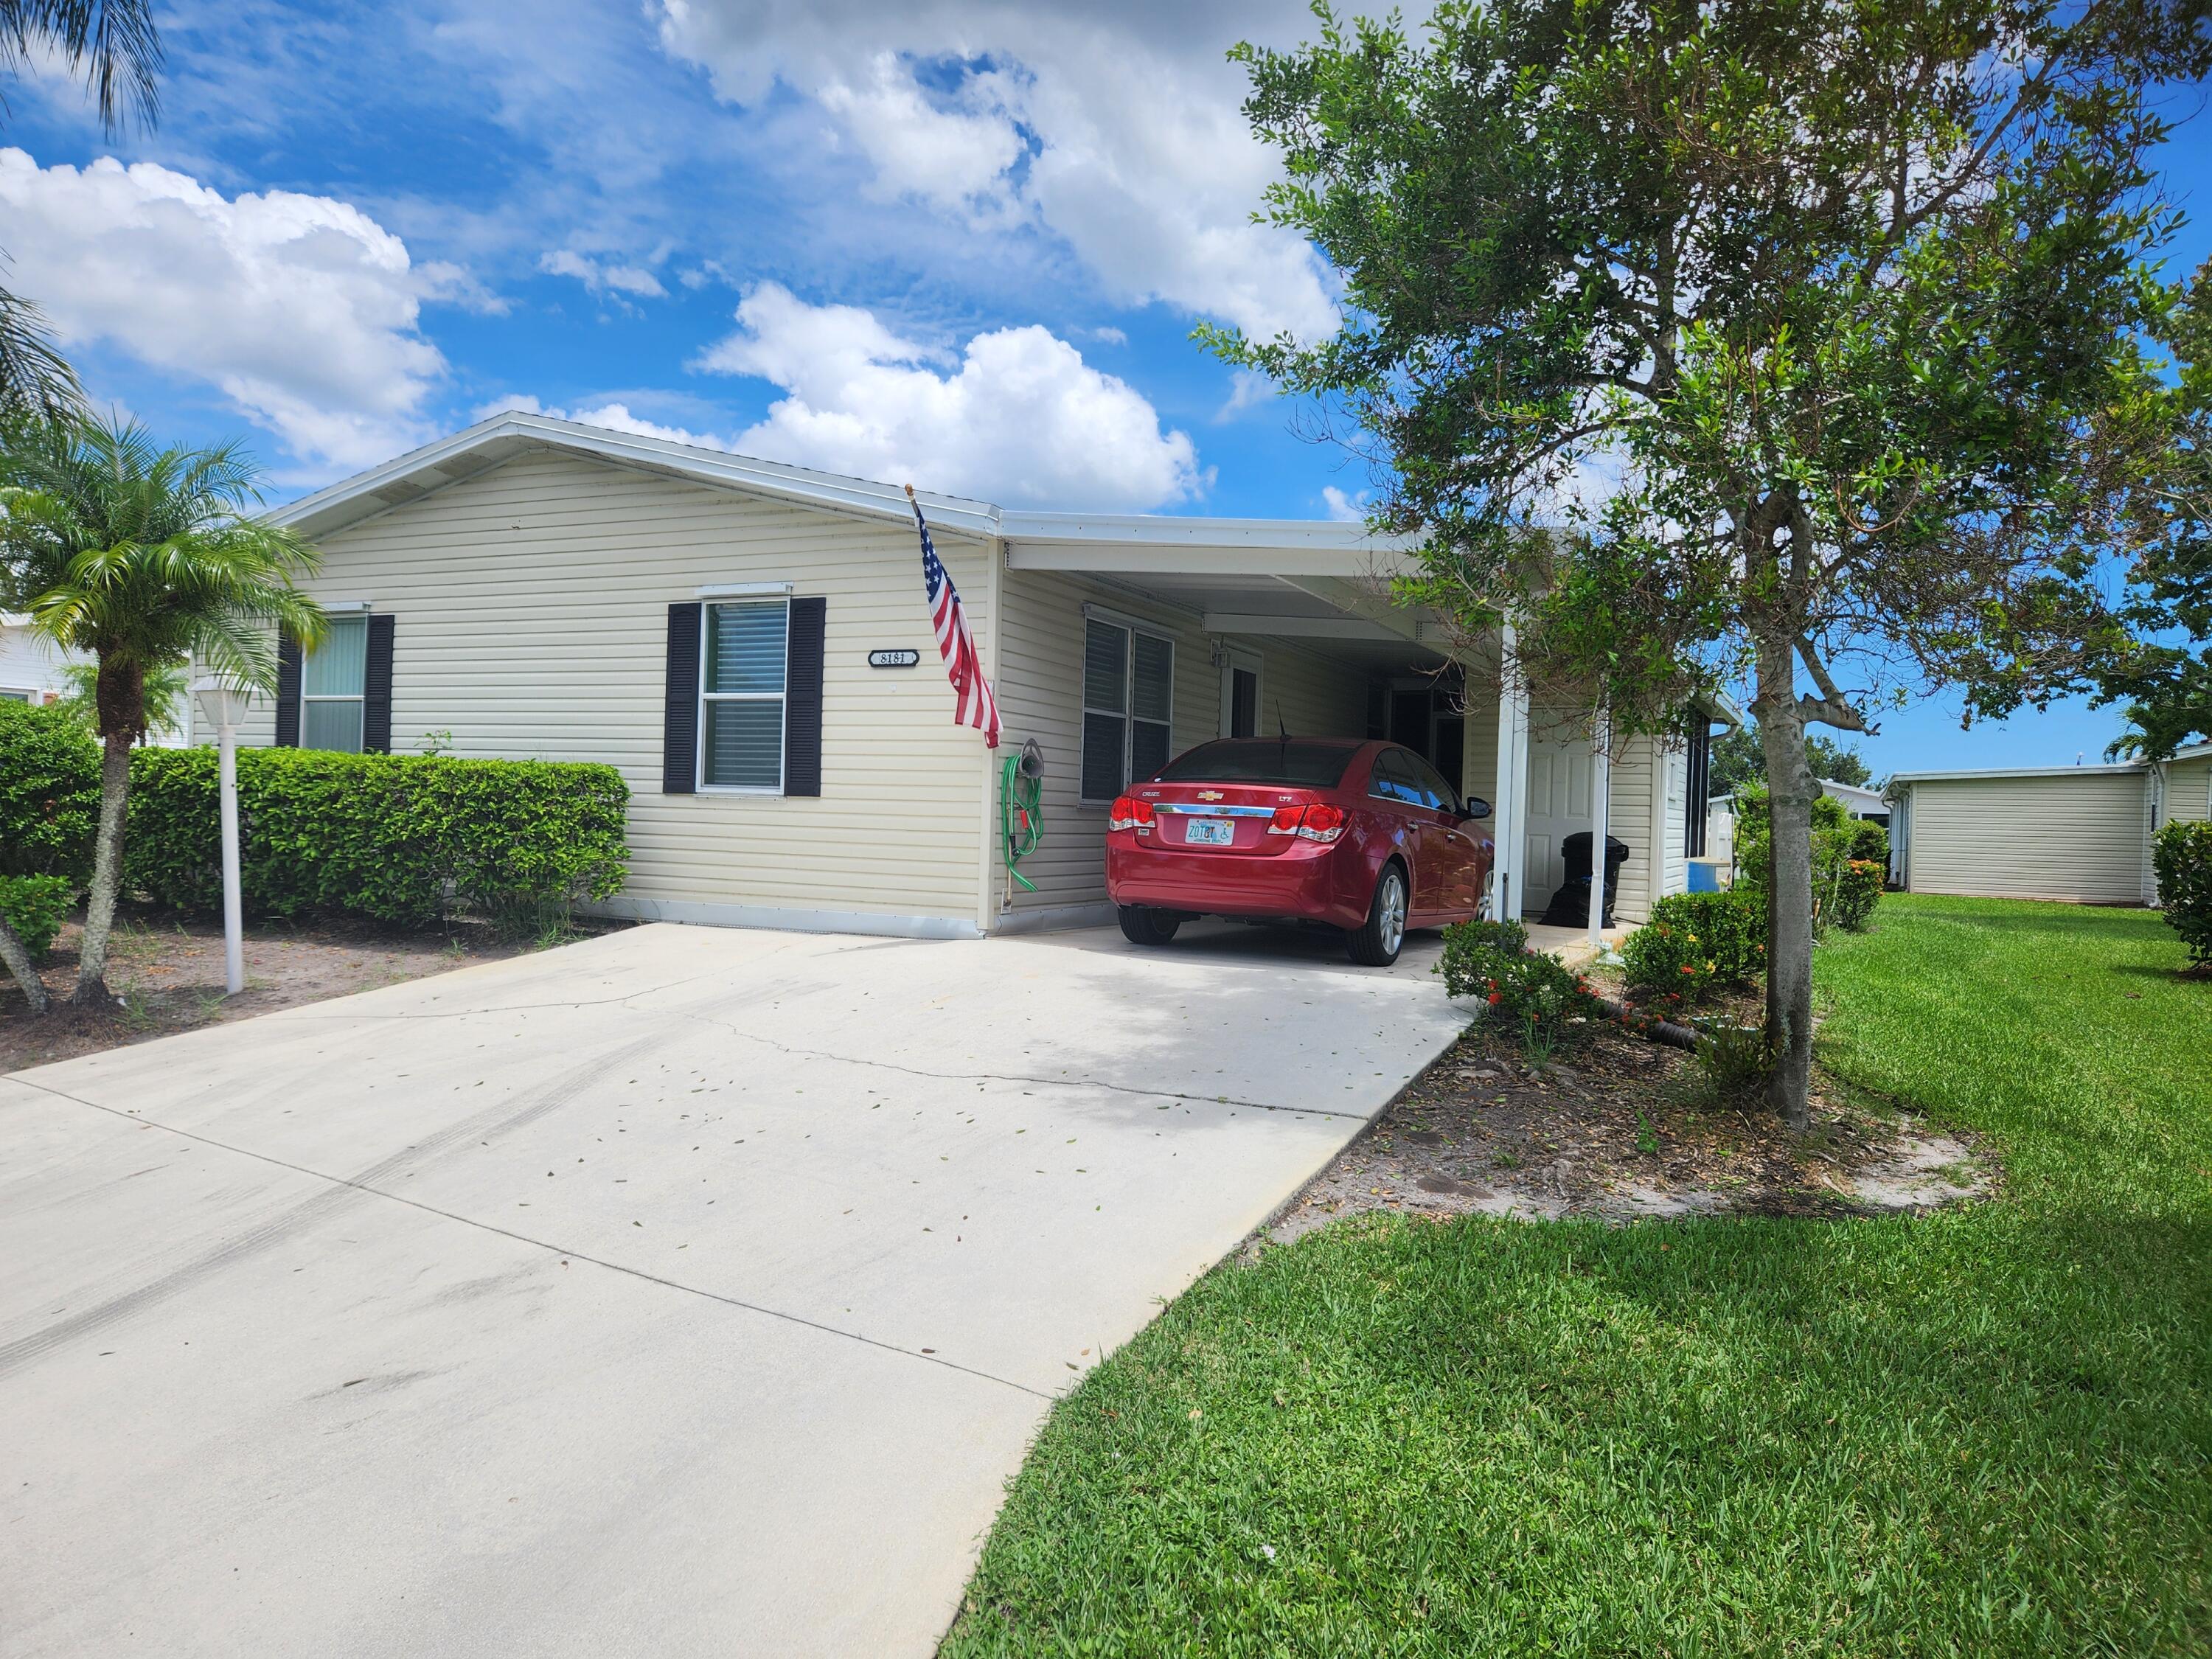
{"x":40,"y":1341}
{"x":797,"y":1053}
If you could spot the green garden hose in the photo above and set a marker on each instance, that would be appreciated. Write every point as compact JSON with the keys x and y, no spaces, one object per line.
{"x":1021,"y":815}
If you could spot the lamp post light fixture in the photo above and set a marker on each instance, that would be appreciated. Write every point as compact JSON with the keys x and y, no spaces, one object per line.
{"x":225,"y":707}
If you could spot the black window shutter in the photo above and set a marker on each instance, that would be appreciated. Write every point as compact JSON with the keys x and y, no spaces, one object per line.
{"x":679,"y":742}
{"x":288,"y":692}
{"x":376,"y":689}
{"x":802,"y":697}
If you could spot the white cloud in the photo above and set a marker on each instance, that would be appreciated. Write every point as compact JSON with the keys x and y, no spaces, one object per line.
{"x":949,"y":155}
{"x":1115,"y":124}
{"x":1016,"y":416}
{"x":603,"y":275}
{"x":1247,"y":389}
{"x":1345,"y":509}
{"x":302,"y":309}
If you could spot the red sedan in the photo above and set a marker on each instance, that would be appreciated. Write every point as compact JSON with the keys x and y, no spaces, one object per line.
{"x":1365,"y":837}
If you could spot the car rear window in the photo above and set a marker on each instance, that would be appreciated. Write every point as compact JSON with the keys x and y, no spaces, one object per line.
{"x":1292,"y":763}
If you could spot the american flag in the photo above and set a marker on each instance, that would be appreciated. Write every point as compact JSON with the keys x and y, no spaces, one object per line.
{"x":977,"y":707}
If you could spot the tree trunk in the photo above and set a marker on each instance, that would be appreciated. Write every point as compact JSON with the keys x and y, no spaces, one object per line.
{"x":17,"y":957}
{"x":106,"y":870}
{"x":1791,"y":790}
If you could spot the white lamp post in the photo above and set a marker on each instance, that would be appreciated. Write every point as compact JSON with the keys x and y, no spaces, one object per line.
{"x":225,"y":707}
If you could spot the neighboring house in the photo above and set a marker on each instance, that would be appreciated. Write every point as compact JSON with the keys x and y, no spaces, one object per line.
{"x":34,"y":670}
{"x":729,"y":634}
{"x":30,"y":667}
{"x":1720,"y":815}
{"x":2081,"y":833}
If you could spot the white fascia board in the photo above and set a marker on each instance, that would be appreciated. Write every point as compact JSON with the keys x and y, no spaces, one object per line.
{"x":1308,"y":628}
{"x":1157,"y":530}
{"x":1903,"y":778}
{"x":1200,"y":559}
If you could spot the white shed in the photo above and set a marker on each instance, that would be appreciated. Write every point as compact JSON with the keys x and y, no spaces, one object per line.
{"x":2081,"y":834}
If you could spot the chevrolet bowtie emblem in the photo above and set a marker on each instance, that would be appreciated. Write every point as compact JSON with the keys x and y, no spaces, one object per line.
{"x":1209,"y":794}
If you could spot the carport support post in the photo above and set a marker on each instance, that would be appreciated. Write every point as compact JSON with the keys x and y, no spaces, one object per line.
{"x":1601,"y":790}
{"x":1508,"y":811}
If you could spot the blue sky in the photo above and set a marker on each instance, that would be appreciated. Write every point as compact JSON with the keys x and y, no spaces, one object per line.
{"x":962,"y":241}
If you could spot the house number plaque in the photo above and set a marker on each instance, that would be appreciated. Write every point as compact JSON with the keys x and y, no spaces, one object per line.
{"x":893,"y":659}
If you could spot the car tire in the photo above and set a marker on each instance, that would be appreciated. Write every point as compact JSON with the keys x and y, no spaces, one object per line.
{"x":1375,"y":942}
{"x":1143,"y":925}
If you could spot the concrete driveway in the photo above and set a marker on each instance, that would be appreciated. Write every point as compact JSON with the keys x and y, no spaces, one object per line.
{"x":681,"y":1292}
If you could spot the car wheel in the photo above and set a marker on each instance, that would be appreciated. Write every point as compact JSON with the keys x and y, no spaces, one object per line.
{"x":1376,"y":944}
{"x":1143,"y":925}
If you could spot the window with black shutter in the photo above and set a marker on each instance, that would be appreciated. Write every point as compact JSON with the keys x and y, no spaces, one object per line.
{"x":1128,"y":706}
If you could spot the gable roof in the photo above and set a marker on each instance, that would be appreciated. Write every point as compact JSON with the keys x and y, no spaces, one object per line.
{"x":504,"y":436}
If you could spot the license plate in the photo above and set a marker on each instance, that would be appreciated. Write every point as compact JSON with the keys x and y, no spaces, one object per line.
{"x":1208,"y":832}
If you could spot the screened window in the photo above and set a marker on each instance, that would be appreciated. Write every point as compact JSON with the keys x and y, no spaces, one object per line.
{"x":333,"y":683}
{"x":1128,"y":703}
{"x":741,"y":697}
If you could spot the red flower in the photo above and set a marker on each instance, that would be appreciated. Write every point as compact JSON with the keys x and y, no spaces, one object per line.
{"x":1496,"y":997}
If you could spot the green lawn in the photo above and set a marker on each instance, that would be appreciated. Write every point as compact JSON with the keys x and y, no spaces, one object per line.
{"x":1982,"y":1432}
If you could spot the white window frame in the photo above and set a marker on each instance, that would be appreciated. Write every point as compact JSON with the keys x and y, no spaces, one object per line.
{"x":782,"y":699}
{"x":1128,"y":714}
{"x":344,"y":612}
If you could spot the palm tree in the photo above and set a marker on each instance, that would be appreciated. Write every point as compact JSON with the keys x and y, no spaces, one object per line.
{"x":145,"y":558}
{"x":116,"y":45}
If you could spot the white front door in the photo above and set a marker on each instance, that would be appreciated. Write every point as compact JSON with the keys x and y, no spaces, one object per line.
{"x":1558,"y":804}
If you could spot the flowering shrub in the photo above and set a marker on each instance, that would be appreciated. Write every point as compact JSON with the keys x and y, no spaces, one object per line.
{"x":1850,"y":858}
{"x":2182,"y":855}
{"x":1492,"y":960}
{"x":1695,"y":942}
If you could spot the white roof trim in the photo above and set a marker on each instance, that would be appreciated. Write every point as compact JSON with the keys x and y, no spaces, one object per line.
{"x":445,"y":460}
{"x":410,"y":477}
{"x":2104,"y":768}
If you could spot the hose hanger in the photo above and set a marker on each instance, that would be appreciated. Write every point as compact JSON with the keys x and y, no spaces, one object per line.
{"x":1021,"y":810}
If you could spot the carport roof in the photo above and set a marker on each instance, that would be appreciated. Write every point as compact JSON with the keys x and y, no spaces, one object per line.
{"x":1084,"y":541}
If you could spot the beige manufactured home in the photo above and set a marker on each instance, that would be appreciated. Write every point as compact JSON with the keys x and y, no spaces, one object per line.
{"x":2076,"y":832}
{"x":536,"y":588}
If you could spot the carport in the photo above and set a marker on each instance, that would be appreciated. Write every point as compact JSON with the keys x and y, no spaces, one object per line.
{"x":684,"y":1291}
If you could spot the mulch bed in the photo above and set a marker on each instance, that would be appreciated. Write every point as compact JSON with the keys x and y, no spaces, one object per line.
{"x":1614,"y":1128}
{"x":168,"y":974}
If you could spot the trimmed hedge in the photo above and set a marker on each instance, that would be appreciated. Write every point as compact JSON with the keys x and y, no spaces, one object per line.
{"x":1697,"y":941}
{"x":2182,"y":855}
{"x":400,"y":838}
{"x":48,"y":793}
{"x":36,"y":907}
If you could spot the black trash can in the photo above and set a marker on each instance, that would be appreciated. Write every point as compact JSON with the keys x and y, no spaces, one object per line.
{"x":1569,"y":906}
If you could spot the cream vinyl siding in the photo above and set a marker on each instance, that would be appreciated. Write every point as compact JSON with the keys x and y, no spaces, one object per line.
{"x":530,"y":607}
{"x":2188,"y":794}
{"x":1040,"y":694}
{"x":2052,"y":837}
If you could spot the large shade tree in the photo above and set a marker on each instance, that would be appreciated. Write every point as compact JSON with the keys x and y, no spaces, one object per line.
{"x":145,"y":559}
{"x":2163,"y":675}
{"x":1788,"y":343}
{"x":114,"y":45}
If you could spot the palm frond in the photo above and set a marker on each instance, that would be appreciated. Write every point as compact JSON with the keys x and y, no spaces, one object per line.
{"x":36,"y":381}
{"x":114,"y":42}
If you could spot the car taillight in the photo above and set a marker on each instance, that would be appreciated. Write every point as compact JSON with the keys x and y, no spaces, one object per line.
{"x":1323,"y":823}
{"x":1128,"y":812}
{"x":1319,"y":822}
